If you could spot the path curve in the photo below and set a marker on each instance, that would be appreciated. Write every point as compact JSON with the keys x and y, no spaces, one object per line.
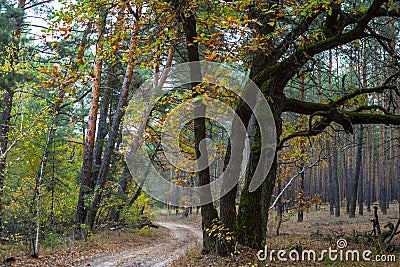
{"x":182,"y":238}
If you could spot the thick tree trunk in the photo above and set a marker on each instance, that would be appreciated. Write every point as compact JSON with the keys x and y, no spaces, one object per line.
{"x":272,"y":80}
{"x":4,"y":128}
{"x":357,"y":177}
{"x":251,"y":222}
{"x":228,"y":201}
{"x":249,"y":219}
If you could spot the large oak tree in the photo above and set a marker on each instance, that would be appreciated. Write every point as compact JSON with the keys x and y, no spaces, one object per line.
{"x":293,"y":33}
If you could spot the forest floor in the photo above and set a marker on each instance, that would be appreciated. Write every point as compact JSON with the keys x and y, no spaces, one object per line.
{"x":124,"y":248}
{"x":318,"y":231}
{"x":178,"y":243}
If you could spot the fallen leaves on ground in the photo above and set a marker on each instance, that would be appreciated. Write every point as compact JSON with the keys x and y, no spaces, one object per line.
{"x":105,"y":242}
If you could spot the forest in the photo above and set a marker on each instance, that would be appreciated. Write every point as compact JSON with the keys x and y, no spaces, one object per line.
{"x":215,"y":129}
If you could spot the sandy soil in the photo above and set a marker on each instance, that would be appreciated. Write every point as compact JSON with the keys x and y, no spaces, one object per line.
{"x":153,"y":247}
{"x":182,"y":237}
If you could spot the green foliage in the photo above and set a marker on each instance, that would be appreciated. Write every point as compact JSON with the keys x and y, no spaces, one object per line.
{"x":52,"y":240}
{"x":8,"y":17}
{"x":137,"y":211}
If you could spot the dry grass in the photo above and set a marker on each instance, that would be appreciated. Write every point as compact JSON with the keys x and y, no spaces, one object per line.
{"x":75,"y":253}
{"x":318,"y":231}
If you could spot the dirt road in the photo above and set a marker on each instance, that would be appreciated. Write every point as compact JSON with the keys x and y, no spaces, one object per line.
{"x":182,"y":237}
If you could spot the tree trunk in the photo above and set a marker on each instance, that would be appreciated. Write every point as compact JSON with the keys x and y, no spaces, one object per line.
{"x":368,"y":193}
{"x":336,"y":187}
{"x":398,"y":166}
{"x":7,"y":101}
{"x":43,"y":161}
{"x":5,"y":128}
{"x":272,"y":81}
{"x":91,"y":131}
{"x":367,"y":169}
{"x":248,"y":219}
{"x":374,"y":160}
{"x":209,"y":214}
{"x":227,"y":215}
{"x":112,"y":136}
{"x":350,"y":170}
{"x":346,"y":179}
{"x":382,"y":170}
{"x":331,"y":198}
{"x":300,"y":213}
{"x":357,"y":177}
{"x":361,"y":193}
{"x":102,"y":128}
{"x":251,"y":222}
{"x":301,"y":193}
{"x":228,"y":201}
